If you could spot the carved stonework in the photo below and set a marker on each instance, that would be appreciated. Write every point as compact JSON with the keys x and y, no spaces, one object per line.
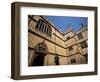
{"x":42,"y":48}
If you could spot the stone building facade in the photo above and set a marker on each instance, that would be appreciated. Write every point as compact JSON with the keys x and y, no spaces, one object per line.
{"x":48,"y":46}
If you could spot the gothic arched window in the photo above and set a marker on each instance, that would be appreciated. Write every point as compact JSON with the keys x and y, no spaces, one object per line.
{"x":44,"y":27}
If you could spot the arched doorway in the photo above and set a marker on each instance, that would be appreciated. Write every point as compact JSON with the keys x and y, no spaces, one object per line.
{"x":40,"y":53}
{"x":39,"y":60}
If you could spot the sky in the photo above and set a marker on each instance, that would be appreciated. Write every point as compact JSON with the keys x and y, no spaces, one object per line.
{"x":62,"y":22}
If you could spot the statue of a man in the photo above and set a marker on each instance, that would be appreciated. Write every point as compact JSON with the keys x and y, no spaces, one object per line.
{"x":56,"y":60}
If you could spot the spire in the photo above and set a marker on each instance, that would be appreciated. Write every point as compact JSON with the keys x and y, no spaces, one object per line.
{"x":69,"y":27}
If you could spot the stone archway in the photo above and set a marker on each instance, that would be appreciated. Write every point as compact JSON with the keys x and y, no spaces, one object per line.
{"x":40,"y":53}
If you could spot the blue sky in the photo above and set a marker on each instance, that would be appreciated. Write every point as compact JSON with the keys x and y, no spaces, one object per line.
{"x":62,"y":22}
